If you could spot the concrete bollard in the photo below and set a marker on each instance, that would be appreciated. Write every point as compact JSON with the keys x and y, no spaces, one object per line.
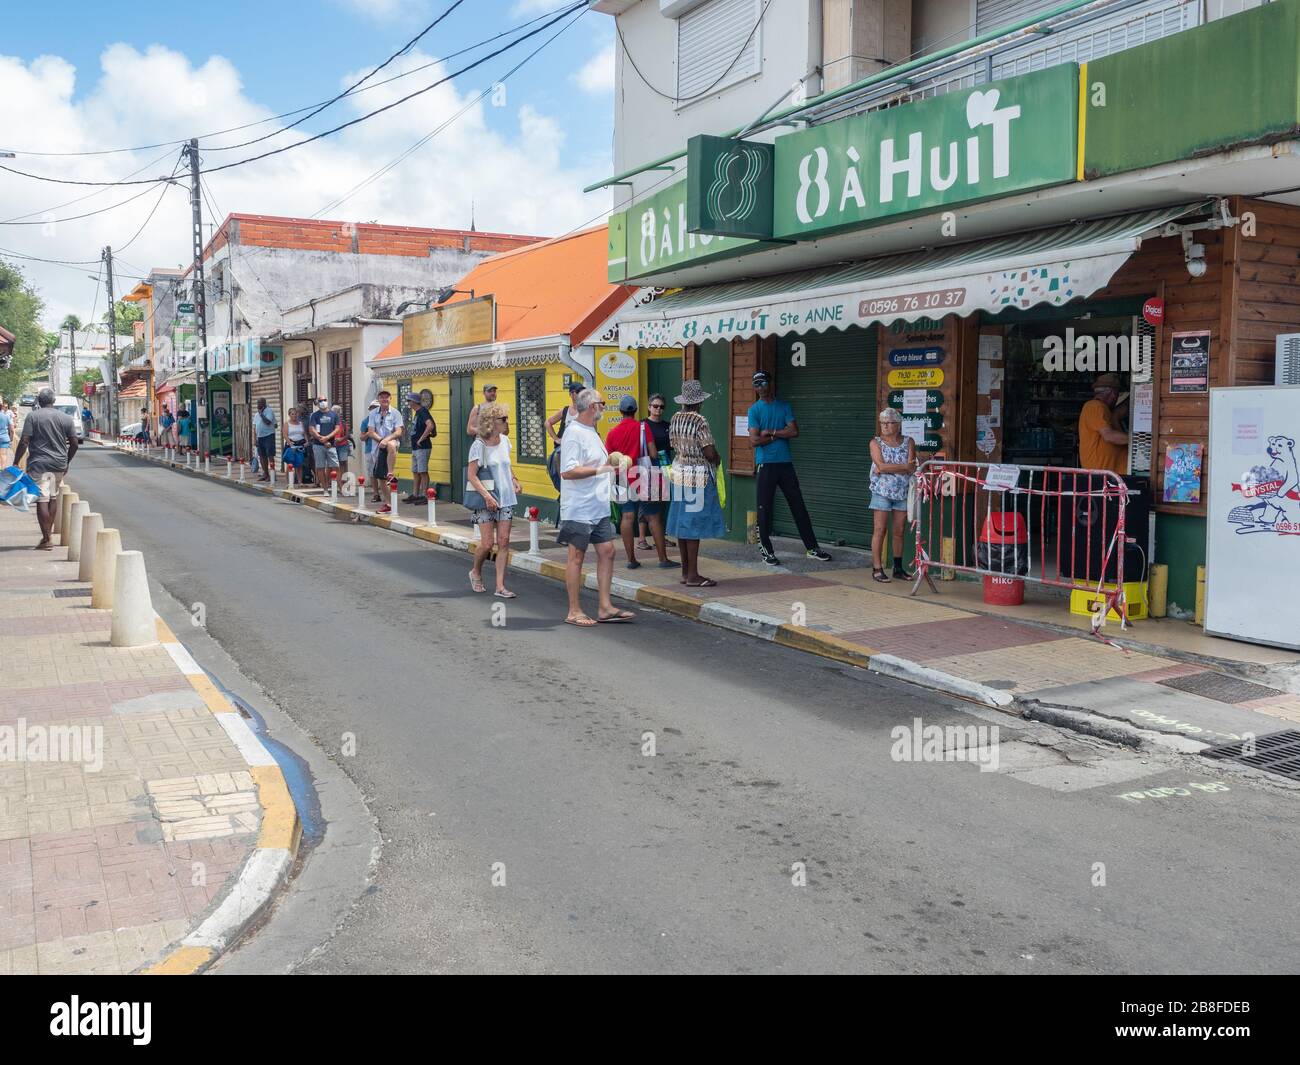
{"x":392,"y":495}
{"x":242,"y":467}
{"x":207,"y":462}
{"x":534,"y":540}
{"x":91,"y":524}
{"x":66,"y":499}
{"x":228,"y":467}
{"x":334,"y":486}
{"x":108,"y":545}
{"x":431,"y":494}
{"x":58,"y":507}
{"x":76,"y":515}
{"x":133,"y":618}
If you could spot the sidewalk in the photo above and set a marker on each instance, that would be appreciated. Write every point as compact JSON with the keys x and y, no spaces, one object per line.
{"x":1160,"y":675}
{"x":137,"y":808}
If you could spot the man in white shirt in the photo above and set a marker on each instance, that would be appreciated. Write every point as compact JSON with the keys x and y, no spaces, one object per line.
{"x":585,"y":485}
{"x":385,"y":429}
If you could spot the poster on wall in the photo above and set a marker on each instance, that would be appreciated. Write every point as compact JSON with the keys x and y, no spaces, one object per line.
{"x":1183,"y":473}
{"x":1189,"y":362}
{"x":221,"y":420}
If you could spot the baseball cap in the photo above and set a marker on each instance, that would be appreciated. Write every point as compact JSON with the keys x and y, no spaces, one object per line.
{"x":761,"y":378}
{"x":1107,"y":380}
{"x":627,"y":405}
{"x":575,"y":386}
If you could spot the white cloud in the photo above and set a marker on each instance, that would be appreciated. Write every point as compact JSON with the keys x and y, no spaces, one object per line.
{"x":386,"y":10}
{"x":597,"y":74}
{"x":517,"y":172}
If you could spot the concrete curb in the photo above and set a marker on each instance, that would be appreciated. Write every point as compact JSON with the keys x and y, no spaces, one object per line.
{"x":267,"y":868}
{"x":721,"y":615}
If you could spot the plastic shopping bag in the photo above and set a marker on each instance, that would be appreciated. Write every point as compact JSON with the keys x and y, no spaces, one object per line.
{"x":16,"y":487}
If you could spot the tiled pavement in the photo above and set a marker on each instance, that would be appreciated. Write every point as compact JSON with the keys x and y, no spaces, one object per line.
{"x":117,"y":850}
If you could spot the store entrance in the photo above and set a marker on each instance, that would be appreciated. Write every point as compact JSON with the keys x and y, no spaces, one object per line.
{"x":1043,"y":401}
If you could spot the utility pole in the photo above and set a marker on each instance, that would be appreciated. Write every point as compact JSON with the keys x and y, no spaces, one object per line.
{"x":114,"y":415}
{"x":72,"y":343}
{"x":200,"y":299}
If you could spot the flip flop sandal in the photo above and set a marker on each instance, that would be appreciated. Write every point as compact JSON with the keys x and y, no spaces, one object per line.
{"x":507,"y":594}
{"x":476,"y":583}
{"x":634,"y":564}
{"x":706,"y":583}
{"x":879,"y":576}
{"x":581,"y":620}
{"x":616,"y":619}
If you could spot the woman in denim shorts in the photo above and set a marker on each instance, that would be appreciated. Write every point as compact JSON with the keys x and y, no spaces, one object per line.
{"x":489,"y":461}
{"x":893,"y":461}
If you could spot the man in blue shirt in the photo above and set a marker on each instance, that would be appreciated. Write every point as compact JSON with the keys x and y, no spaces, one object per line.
{"x":264,"y":426}
{"x":771,"y":428}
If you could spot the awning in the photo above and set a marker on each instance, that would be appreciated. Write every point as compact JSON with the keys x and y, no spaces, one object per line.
{"x":173,"y":383}
{"x":1051,"y":266}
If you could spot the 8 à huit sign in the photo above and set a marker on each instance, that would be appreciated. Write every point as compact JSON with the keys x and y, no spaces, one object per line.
{"x":959,"y":148}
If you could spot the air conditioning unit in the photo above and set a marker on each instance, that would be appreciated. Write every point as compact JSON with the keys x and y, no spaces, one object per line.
{"x":1287,"y":359}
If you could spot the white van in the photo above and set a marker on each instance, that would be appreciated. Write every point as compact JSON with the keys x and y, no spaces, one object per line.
{"x":72,"y":408}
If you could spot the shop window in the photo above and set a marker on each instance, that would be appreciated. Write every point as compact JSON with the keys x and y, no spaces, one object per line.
{"x":302,"y":381}
{"x":341,"y":382}
{"x":404,"y":390}
{"x":530,"y":393}
{"x":718,"y":44}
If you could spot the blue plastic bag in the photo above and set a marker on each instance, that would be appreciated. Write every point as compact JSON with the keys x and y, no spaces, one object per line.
{"x":16,"y":486}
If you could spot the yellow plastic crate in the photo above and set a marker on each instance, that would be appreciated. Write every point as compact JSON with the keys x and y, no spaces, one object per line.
{"x":1085,"y":595}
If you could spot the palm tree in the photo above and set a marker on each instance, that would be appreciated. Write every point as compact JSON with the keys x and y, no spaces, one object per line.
{"x":71,"y":322}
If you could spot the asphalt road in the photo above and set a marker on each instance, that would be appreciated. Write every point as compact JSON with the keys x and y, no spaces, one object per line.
{"x":514,"y":753}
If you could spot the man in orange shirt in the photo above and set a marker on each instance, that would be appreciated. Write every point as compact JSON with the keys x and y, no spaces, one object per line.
{"x":1101,"y":445}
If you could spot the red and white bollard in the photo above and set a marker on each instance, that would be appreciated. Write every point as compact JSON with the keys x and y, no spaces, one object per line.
{"x":392,"y":493}
{"x":334,"y":485}
{"x":207,"y":462}
{"x":242,"y":466}
{"x":361,"y":493}
{"x":534,"y":540}
{"x":229,"y":466}
{"x":431,"y":495}
{"x":289,"y":471}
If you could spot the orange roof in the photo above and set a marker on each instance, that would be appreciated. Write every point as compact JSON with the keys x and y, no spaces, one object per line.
{"x":557,"y":286}
{"x":134,"y":389}
{"x":392,"y":349}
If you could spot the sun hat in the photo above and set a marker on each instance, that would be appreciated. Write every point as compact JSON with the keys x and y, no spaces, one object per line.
{"x":692,"y":393}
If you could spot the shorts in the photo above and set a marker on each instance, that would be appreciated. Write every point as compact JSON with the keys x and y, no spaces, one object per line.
{"x":324,"y":457}
{"x":641,"y":509}
{"x":486,"y":517}
{"x":49,"y":483}
{"x":266,"y":447}
{"x":344,"y":451}
{"x":420,"y":460}
{"x":581,"y":533}
{"x":370,"y":457}
{"x":879,"y":502}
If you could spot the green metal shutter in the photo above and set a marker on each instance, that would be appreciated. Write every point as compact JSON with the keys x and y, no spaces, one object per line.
{"x":834,"y":400}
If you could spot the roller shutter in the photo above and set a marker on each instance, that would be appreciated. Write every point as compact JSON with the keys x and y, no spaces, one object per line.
{"x":834,"y":400}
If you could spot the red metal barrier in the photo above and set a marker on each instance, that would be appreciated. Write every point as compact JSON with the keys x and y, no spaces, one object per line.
{"x":1074,"y":520}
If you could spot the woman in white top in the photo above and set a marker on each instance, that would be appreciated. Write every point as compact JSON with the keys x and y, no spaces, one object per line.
{"x":491,"y":476}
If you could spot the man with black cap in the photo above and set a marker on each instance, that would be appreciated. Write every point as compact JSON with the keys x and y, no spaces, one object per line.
{"x":1101,"y":445}
{"x":423,"y":430}
{"x":771,"y":428}
{"x":489,"y":396}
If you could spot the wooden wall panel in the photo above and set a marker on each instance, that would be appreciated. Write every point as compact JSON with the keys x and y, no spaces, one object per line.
{"x":745,"y":361}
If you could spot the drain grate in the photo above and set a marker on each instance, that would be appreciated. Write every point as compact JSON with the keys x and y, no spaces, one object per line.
{"x":1220,"y":687}
{"x":1278,"y":752}
{"x":71,"y":593}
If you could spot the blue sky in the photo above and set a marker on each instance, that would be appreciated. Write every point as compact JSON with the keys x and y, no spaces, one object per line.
{"x":85,"y":76}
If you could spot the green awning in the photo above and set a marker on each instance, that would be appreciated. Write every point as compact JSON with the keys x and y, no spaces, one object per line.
{"x":1051,"y":266}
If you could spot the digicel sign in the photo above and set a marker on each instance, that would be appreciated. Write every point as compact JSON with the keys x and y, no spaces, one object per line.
{"x":1153,"y":311}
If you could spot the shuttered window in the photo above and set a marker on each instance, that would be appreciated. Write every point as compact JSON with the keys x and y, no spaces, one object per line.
{"x":718,"y":45}
{"x":996,"y":14}
{"x":530,"y":394}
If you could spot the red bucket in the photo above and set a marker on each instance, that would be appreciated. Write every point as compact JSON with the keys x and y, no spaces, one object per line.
{"x":1004,"y":591}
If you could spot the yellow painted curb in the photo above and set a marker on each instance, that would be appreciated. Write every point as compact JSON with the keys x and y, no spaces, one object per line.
{"x":216,"y":702}
{"x":554,"y":570}
{"x":434,"y":536}
{"x":281,"y":828}
{"x":183,"y":961}
{"x":667,"y":599}
{"x":824,"y":644}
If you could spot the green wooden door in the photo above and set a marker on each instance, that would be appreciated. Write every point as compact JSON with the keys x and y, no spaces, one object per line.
{"x":665,"y":377}
{"x":834,"y":398}
{"x":462,"y":402}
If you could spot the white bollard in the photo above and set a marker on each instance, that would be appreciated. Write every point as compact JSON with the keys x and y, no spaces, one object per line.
{"x":133,"y":619}
{"x":432,"y":497}
{"x":228,"y":468}
{"x":334,"y":486}
{"x":289,"y":471}
{"x":65,"y":505}
{"x":91,"y":524}
{"x":76,"y":515}
{"x":534,"y":540}
{"x":242,"y":467}
{"x":58,"y":508}
{"x":207,"y":462}
{"x":108,"y":545}
{"x":392,"y":495}
{"x":361,"y":493}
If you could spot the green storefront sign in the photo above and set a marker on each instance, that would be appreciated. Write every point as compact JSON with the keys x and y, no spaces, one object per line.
{"x":729,"y":187}
{"x":652,"y":236}
{"x":1003,"y":137}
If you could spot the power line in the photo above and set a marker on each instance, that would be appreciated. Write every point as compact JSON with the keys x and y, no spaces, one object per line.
{"x":79,"y":199}
{"x":473,"y":101}
{"x":87,"y":214}
{"x":349,"y":90}
{"x":579,"y":5}
{"x":287,"y":114}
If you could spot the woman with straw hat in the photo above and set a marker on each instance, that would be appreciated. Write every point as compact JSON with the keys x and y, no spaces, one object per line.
{"x":695,"y":513}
